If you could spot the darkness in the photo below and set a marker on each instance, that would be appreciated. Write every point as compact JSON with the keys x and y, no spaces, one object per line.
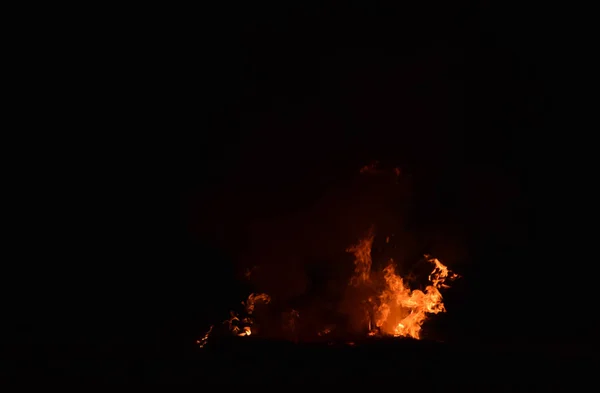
{"x":232,"y":136}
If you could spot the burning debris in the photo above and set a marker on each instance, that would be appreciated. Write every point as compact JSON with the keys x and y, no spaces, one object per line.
{"x":237,"y":326}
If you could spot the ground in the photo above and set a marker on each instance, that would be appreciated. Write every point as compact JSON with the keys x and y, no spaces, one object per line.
{"x":392,"y":363}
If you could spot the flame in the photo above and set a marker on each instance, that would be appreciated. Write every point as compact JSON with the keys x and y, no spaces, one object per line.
{"x":362,"y":259}
{"x":246,"y":332}
{"x":204,"y":340}
{"x":243,"y":327}
{"x":233,"y":322}
{"x":253,"y":298}
{"x":392,"y":307}
{"x":398,"y":310}
{"x":402,"y":311}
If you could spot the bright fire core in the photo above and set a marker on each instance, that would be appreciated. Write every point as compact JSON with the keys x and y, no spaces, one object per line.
{"x":398,"y":310}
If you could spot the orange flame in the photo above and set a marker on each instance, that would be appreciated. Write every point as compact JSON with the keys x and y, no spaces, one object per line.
{"x":403,"y":311}
{"x":233,"y":322}
{"x":398,"y":310}
{"x":204,"y":340}
{"x":362,"y":259}
{"x":243,"y":327}
{"x":246,"y":332}
{"x":253,"y":298}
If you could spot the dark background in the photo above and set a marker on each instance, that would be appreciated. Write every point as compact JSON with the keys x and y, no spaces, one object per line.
{"x":207,"y":126}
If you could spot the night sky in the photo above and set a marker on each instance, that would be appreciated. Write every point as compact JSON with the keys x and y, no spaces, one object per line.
{"x":239,"y":139}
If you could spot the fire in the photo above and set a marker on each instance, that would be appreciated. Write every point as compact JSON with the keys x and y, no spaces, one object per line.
{"x":403,"y":311}
{"x":398,"y":310}
{"x":233,"y":322}
{"x":202,"y":342}
{"x":393,"y":308}
{"x":243,"y":327}
{"x":240,"y":327}
{"x":390,"y":306}
{"x":246,"y":332}
{"x":362,"y":259}
{"x":252,"y":299}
